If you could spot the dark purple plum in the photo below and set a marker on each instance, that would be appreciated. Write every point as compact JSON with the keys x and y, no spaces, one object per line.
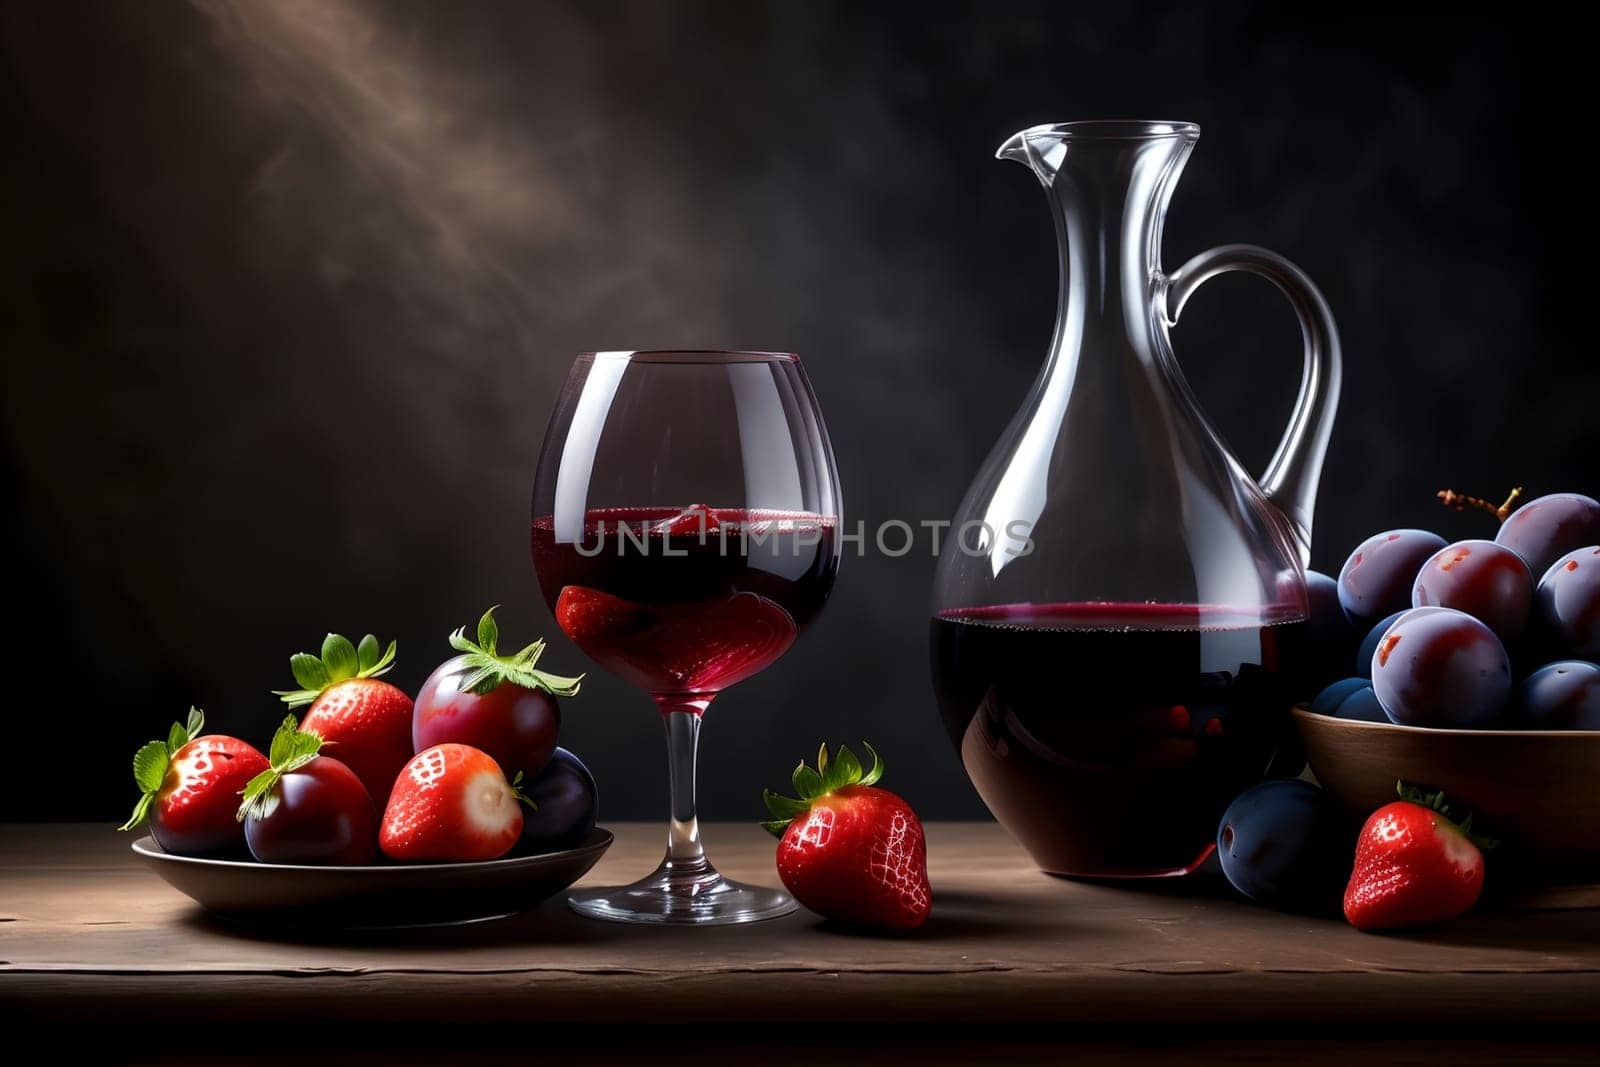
{"x":566,"y":804}
{"x":1543,"y":530}
{"x":319,"y":813}
{"x":1560,"y":696}
{"x":1361,"y":706}
{"x":1369,"y":644}
{"x":1377,"y":578}
{"x":1441,"y":668}
{"x":1327,"y":702}
{"x":1331,"y":639}
{"x":1568,"y":602}
{"x":1487,"y":581}
{"x":1283,"y":844}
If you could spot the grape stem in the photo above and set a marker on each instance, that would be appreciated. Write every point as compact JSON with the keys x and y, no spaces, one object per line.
{"x":1461,"y":502}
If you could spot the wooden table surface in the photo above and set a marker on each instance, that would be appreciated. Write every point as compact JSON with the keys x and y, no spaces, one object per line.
{"x":85,"y":929}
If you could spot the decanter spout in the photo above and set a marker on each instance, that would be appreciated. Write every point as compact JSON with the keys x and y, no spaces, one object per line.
{"x":1043,"y":149}
{"x":1039,"y":148}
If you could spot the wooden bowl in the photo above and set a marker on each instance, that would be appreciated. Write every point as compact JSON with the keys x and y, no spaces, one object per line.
{"x":1537,"y":791}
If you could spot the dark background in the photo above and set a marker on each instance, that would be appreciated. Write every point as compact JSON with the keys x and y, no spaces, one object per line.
{"x":290,"y":288}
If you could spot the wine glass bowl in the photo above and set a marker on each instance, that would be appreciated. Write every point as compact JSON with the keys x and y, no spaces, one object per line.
{"x":685,"y":513}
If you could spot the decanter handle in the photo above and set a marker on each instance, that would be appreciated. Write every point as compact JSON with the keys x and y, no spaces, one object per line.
{"x":1291,"y":477}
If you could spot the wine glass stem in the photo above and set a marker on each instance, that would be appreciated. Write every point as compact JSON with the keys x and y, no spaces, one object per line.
{"x":682,"y":718}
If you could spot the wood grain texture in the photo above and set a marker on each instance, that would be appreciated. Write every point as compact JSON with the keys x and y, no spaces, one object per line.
{"x":83,"y":928}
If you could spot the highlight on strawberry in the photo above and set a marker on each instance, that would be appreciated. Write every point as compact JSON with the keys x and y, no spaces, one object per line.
{"x":189,"y":788}
{"x":848,"y":849}
{"x":365,"y":722}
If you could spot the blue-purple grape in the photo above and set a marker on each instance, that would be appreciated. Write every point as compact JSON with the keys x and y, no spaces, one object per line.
{"x":1369,"y":644}
{"x":1441,"y":668}
{"x":1560,"y":696}
{"x":1487,"y":581}
{"x":1377,"y":578}
{"x":1543,"y":530}
{"x":1569,"y":602}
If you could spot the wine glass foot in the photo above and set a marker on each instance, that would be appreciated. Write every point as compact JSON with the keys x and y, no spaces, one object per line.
{"x":699,"y":896}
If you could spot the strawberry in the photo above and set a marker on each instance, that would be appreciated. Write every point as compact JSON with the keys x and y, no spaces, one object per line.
{"x":366,"y":723}
{"x":1414,"y":865}
{"x":452,"y":803}
{"x":191,"y":786}
{"x":702,"y":646}
{"x":848,"y":849}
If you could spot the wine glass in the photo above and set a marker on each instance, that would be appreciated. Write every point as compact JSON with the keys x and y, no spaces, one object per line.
{"x":685,"y":519}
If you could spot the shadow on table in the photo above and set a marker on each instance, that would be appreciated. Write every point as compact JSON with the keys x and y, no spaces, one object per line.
{"x":956,"y":917}
{"x":551,"y":923}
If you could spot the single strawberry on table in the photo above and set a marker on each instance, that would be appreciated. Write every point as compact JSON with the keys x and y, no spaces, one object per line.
{"x":190,"y":785}
{"x":848,"y":849}
{"x":1414,"y":865}
{"x":366,"y":722}
{"x":452,"y":804}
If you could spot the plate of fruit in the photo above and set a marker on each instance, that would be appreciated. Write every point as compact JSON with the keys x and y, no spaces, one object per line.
{"x":374,"y":809}
{"x":1476,"y":671}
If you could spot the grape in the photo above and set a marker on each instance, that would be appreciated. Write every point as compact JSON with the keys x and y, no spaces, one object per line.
{"x":1282,"y":844}
{"x":1369,"y":644}
{"x":1377,"y":578}
{"x":1561,"y":696}
{"x":1569,"y":602}
{"x":1331,"y":637}
{"x":1442,"y":668}
{"x":1543,"y":530}
{"x":1487,"y":581}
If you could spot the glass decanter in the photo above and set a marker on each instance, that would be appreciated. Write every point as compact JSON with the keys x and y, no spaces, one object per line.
{"x":1120,"y":608}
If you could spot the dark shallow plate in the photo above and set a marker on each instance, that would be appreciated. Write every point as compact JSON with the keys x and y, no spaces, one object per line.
{"x":413,"y":894}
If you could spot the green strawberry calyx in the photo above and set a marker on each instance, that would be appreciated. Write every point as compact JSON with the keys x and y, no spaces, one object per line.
{"x":489,"y":669}
{"x":1454,"y":814}
{"x":340,"y":661}
{"x":151,"y":761}
{"x":522,"y":798}
{"x":830,"y":776}
{"x":292,"y":748}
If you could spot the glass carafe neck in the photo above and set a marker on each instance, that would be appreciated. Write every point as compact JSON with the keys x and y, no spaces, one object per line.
{"x":1108,"y":184}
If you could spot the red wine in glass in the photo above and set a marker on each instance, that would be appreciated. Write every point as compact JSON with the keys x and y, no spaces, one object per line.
{"x":1109,"y":738}
{"x":685,"y":513}
{"x":684,"y":602}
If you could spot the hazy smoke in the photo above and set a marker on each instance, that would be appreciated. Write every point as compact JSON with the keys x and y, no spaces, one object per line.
{"x":468,"y":186}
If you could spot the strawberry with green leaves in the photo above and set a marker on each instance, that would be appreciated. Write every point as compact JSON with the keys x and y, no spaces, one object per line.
{"x":366,"y":722}
{"x":499,"y":702}
{"x":848,"y":849}
{"x":190,"y":786}
{"x":452,"y":804}
{"x":307,"y":808}
{"x":1415,"y":865}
